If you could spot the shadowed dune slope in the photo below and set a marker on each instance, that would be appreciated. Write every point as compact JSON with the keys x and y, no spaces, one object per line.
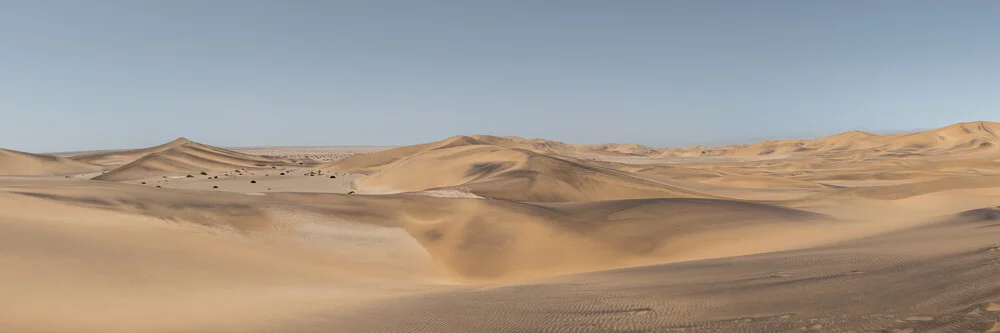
{"x":500,"y":172}
{"x":988,"y":217}
{"x":16,"y":163}
{"x":187,"y":158}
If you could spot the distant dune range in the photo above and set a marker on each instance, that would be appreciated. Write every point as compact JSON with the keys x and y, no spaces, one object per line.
{"x":852,"y":232}
{"x":957,"y":138}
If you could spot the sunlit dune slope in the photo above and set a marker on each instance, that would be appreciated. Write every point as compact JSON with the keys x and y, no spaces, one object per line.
{"x":27,"y":164}
{"x":187,"y":158}
{"x":122,"y":157}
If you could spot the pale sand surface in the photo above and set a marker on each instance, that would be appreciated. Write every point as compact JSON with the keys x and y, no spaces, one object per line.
{"x":849,"y":233}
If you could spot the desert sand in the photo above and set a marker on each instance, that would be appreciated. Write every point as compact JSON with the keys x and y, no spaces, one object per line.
{"x":854,"y":232}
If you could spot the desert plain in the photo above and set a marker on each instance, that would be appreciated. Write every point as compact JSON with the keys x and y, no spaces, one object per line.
{"x":854,"y":232}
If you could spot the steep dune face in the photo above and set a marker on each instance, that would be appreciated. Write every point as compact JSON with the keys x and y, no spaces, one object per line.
{"x":16,"y":163}
{"x":500,"y":172}
{"x":187,"y":158}
{"x":119,"y":158}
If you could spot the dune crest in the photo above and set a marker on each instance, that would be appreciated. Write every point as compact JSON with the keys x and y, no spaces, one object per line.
{"x":500,"y":172}
{"x":186,"y":157}
{"x":119,"y":158}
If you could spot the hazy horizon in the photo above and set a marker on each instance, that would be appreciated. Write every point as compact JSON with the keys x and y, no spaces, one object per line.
{"x":748,"y":141}
{"x":121,"y":74}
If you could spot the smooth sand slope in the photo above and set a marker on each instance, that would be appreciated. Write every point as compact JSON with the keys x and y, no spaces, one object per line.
{"x":16,"y":163}
{"x":851,"y":233}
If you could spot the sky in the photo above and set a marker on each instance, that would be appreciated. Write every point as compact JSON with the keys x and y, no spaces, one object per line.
{"x":102,"y":74}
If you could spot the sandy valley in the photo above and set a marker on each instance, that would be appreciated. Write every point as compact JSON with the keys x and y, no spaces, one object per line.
{"x":854,"y":232}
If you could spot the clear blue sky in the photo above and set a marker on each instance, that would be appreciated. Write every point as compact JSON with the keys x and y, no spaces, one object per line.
{"x":78,"y":75}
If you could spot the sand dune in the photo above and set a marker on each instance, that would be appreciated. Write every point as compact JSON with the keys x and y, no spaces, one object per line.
{"x":303,"y":253}
{"x":499,"y":172}
{"x":853,"y":232}
{"x":27,"y":164}
{"x":187,"y":158}
{"x":470,"y":238}
{"x":122,"y":157}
